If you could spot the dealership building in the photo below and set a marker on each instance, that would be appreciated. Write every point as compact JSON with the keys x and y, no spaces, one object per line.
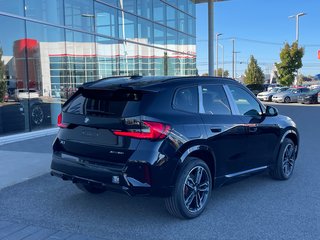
{"x":49,"y":48}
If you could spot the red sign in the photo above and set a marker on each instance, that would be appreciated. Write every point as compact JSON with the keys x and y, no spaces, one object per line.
{"x":318,"y":54}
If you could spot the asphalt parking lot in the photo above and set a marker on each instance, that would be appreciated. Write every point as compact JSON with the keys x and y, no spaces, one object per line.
{"x":255,"y":208}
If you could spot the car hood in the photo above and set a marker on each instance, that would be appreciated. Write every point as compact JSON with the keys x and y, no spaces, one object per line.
{"x":265,"y":94}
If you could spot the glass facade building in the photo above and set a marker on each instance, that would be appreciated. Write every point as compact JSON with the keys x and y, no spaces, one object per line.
{"x":49,"y":48}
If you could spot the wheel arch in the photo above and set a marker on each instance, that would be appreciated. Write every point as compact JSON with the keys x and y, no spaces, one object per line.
{"x":202,"y":152}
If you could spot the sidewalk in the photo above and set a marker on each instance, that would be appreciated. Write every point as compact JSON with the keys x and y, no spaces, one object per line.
{"x":24,"y":160}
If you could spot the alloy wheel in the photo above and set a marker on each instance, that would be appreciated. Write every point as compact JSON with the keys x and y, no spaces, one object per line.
{"x":196,"y":189}
{"x":288,"y":159}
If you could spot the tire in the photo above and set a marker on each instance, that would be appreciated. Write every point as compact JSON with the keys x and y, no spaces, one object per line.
{"x":192,"y":190}
{"x":37,"y":115}
{"x":287,"y":99}
{"x":89,"y":188}
{"x":284,"y":165}
{"x":270,"y":99}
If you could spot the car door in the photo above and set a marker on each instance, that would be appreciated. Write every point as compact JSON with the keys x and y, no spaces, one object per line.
{"x":225,"y":131}
{"x":262,"y":133}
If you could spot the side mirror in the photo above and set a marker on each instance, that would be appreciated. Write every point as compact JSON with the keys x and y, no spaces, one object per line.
{"x":271,"y":111}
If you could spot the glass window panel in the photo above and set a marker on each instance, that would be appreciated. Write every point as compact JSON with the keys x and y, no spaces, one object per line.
{"x":172,"y":2}
{"x":192,"y":26}
{"x":159,"y":15}
{"x":191,"y":7}
{"x":112,"y":2}
{"x":183,"y":5}
{"x":146,"y":61}
{"x":172,"y":39}
{"x":183,"y":43}
{"x":106,"y":20}
{"x":130,"y":6}
{"x":12,"y":6}
{"x":129,"y":21}
{"x":128,"y":59}
{"x":108,"y":57}
{"x":49,"y":11}
{"x":79,"y":14}
{"x":145,"y":31}
{"x":144,"y":8}
{"x":183,"y":22}
{"x":14,"y":113}
{"x":160,"y":33}
{"x":45,"y":75}
{"x":81,"y":54}
{"x":160,"y":62}
{"x":171,"y":17}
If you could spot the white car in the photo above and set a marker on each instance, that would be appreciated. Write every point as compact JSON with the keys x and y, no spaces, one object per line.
{"x":22,"y":93}
{"x":267,"y":96}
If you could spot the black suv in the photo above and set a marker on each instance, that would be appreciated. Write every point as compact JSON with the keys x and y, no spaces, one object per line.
{"x":174,"y":137}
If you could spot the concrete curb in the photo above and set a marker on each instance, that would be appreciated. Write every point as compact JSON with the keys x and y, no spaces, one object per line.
{"x":29,"y":135}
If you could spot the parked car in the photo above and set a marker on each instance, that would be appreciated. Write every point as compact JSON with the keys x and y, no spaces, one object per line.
{"x":267,"y":96}
{"x":255,"y":88}
{"x":172,"y":137}
{"x":21,"y":94}
{"x":289,"y":96}
{"x":310,"y":97}
{"x":273,"y":85}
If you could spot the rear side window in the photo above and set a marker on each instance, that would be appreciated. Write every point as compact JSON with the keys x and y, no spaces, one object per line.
{"x":186,"y":99}
{"x":105,"y":105}
{"x":215,"y":100}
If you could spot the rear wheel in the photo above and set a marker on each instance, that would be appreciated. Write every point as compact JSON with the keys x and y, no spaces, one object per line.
{"x":89,"y":188}
{"x":287,"y":99}
{"x":284,"y":166}
{"x":192,"y":190}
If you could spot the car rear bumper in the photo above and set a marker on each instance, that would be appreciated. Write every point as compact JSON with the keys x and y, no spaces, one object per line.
{"x":126,"y":179}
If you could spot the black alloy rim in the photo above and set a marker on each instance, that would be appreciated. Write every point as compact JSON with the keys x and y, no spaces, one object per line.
{"x":196,"y":189}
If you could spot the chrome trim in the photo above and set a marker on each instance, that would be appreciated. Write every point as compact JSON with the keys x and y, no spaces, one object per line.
{"x":245,"y":172}
{"x":201,"y":108}
{"x":234,"y":108}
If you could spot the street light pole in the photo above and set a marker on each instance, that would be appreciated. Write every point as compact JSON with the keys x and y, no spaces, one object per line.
{"x":222,"y":59}
{"x":211,"y":37}
{"x":297,"y":16}
{"x":233,"y":55}
{"x":217,"y":50}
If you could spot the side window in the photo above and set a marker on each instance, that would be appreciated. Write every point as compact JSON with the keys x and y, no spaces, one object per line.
{"x":186,"y":99}
{"x":246,"y":104}
{"x":215,"y":100}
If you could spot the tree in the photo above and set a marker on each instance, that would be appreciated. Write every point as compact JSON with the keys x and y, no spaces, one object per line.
{"x":220,"y":70}
{"x":291,"y":61}
{"x":3,"y":83}
{"x":253,"y":73}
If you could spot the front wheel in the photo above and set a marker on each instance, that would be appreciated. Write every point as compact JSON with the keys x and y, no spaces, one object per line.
{"x":192,"y":190}
{"x":284,"y":165}
{"x":287,"y":99}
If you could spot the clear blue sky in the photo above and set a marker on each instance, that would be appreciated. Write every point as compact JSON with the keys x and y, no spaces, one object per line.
{"x":260,"y":28}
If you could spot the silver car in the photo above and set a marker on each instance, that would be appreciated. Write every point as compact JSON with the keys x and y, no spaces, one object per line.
{"x":267,"y":96}
{"x":291,"y":95}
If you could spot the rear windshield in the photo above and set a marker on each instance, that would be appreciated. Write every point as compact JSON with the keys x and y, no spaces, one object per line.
{"x":106,"y":105}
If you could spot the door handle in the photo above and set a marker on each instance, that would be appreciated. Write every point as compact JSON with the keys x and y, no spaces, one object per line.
{"x":216,"y":130}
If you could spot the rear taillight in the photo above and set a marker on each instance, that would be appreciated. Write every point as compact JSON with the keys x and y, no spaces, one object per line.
{"x":148,"y":130}
{"x":60,"y":123}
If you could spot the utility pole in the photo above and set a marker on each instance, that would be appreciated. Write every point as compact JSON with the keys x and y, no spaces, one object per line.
{"x":217,"y":51}
{"x":222,"y":59}
{"x":211,"y":37}
{"x":233,"y":59}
